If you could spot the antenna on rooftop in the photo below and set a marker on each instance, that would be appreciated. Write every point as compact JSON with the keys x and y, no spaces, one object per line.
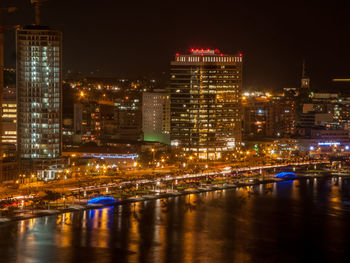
{"x":37,"y":4}
{"x":305,"y":80}
{"x":304,"y":69}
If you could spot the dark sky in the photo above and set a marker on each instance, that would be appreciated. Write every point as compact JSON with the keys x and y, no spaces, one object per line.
{"x":139,"y":38}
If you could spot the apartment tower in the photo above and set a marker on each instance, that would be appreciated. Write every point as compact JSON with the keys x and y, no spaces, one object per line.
{"x":39,"y":98}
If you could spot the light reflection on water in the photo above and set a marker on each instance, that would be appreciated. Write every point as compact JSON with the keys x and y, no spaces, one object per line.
{"x":278,"y":222}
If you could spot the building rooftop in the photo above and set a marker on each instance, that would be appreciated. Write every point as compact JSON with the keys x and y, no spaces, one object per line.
{"x":36,"y":27}
{"x":205,"y":52}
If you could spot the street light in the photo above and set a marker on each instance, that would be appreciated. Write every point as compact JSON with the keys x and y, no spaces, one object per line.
{"x":153,"y":155}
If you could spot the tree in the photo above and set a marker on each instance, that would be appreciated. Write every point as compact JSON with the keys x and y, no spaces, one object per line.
{"x":51,"y":196}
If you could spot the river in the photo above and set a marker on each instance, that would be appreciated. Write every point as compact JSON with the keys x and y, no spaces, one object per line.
{"x":294,"y":221}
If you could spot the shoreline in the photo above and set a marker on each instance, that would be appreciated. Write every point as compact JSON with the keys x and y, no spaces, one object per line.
{"x":150,"y":197}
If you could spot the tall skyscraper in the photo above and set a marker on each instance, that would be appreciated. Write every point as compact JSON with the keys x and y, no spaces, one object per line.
{"x":39,"y":92}
{"x":205,"y":103}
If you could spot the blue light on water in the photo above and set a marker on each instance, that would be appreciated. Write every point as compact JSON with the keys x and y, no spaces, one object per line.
{"x":285,"y":175}
{"x":102,"y":200}
{"x":285,"y":182}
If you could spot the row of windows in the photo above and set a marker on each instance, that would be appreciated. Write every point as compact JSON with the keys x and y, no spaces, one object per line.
{"x":38,"y":55}
{"x":36,"y":60}
{"x":208,"y":59}
{"x":214,"y":80}
{"x":36,"y":35}
{"x":27,"y":144}
{"x":40,"y":156}
{"x":39,"y":43}
{"x":41,"y":80}
{"x":41,"y":75}
{"x":6,"y":115}
{"x":203,"y":120}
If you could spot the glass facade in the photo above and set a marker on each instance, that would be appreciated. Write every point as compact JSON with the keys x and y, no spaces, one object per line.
{"x":205,"y":103}
{"x":39,"y":52}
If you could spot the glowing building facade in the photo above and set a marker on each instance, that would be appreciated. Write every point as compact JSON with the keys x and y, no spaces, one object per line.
{"x":156,"y":116}
{"x":258,"y":115}
{"x":9,"y":116}
{"x":205,"y":103}
{"x":39,"y":87}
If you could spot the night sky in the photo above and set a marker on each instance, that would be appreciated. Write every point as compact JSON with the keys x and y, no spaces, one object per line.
{"x":139,"y":38}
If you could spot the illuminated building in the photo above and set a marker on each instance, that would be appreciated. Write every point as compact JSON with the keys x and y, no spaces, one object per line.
{"x":322,"y":148}
{"x":323,"y":111}
{"x":156,"y":116}
{"x":267,"y":115}
{"x":39,"y":86}
{"x":9,"y":129}
{"x":93,"y":121}
{"x":285,"y":113}
{"x":205,"y":102}
{"x":9,"y":116}
{"x":10,"y":163}
{"x":128,"y":117}
{"x":304,"y":117}
{"x":258,"y":115}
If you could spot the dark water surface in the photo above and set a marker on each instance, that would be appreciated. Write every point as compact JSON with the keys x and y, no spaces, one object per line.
{"x":300,"y":221}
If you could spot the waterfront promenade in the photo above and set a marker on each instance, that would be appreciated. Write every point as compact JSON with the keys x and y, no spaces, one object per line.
{"x":164,"y":187}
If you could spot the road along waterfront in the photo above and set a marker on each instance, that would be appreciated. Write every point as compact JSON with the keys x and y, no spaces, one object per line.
{"x":81,"y":204}
{"x":290,"y":221}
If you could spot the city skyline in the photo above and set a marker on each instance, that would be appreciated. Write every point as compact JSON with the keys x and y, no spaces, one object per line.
{"x":174,"y":132}
{"x":132,"y":40}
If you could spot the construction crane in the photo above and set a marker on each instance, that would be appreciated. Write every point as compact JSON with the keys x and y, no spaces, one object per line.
{"x":37,"y":4}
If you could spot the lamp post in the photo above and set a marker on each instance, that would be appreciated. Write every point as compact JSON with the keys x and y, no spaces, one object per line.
{"x":153,"y":154}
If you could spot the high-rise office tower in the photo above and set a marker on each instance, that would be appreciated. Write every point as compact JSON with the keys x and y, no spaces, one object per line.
{"x":205,"y":103}
{"x":39,"y":92}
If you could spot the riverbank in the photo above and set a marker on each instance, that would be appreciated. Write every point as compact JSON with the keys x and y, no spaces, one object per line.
{"x":25,"y":214}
